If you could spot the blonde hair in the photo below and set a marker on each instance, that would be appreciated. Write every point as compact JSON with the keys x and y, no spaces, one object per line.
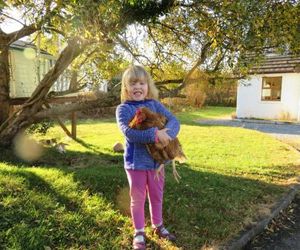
{"x":135,"y":73}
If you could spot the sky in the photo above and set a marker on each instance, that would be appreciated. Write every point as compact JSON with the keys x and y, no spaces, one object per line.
{"x":10,"y":25}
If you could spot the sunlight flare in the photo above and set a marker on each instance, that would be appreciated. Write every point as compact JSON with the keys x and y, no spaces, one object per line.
{"x":26,"y":148}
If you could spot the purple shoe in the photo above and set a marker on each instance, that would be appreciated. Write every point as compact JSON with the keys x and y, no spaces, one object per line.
{"x":139,"y":245}
{"x":162,"y":232}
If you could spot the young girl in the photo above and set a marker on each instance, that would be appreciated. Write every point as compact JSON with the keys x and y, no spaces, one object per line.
{"x":138,"y":90}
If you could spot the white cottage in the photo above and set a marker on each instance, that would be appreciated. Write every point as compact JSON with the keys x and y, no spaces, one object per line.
{"x":272,"y":90}
{"x":28,"y":66}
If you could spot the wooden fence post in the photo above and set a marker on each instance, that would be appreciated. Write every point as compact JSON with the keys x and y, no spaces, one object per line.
{"x":74,"y":125}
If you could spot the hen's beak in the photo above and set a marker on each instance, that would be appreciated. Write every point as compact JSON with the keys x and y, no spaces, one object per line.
{"x":133,"y":122}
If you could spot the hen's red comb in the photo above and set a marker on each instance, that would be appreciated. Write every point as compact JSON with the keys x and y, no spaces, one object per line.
{"x":139,"y":119}
{"x":138,"y":111}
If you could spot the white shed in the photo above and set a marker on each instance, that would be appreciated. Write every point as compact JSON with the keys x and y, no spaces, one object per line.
{"x":27,"y":67}
{"x":272,"y":90}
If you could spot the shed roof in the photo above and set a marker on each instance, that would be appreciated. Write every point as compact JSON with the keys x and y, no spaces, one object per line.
{"x":277,"y":64}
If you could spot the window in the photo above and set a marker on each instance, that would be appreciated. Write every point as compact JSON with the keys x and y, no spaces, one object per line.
{"x":271,"y":88}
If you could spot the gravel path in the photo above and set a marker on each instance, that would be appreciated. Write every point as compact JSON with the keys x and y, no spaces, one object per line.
{"x":279,"y":130}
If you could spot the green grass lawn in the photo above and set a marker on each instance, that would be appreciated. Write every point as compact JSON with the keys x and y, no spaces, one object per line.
{"x":189,"y":115}
{"x":79,"y":200}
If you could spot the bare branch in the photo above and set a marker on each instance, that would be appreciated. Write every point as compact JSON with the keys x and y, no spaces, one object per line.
{"x":202,"y":58}
{"x":200,"y":61}
{"x":74,"y":48}
{"x":87,"y":57}
{"x":25,"y":31}
{"x":12,"y":18}
{"x":56,"y":31}
{"x":217,"y":65}
{"x":103,"y":100}
{"x":175,"y":32}
{"x":66,"y":92}
{"x":30,"y":29}
{"x":127,"y":48}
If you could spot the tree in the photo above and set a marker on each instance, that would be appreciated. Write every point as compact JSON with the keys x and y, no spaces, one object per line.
{"x":98,"y":24}
{"x":217,"y":37}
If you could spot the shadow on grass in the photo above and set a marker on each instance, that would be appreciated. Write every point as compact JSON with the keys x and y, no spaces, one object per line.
{"x":38,"y":210}
{"x":87,"y":145}
{"x":204,"y":208}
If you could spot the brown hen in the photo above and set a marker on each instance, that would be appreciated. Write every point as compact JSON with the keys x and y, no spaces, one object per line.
{"x":144,"y":119}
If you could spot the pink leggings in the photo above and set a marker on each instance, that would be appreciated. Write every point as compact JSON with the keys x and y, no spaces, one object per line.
{"x":140,"y":183}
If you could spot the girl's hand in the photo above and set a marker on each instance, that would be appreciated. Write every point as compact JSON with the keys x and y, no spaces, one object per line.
{"x":163,"y":137}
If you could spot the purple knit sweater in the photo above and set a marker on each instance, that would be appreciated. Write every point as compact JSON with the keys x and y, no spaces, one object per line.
{"x":136,"y":155}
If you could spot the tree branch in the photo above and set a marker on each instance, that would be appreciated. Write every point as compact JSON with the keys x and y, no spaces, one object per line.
{"x":202,"y":58}
{"x":25,"y":31}
{"x":74,"y":48}
{"x":30,"y":29}
{"x":103,"y":100}
{"x":66,"y":92}
{"x":127,"y":48}
{"x":200,"y":61}
{"x":12,"y":18}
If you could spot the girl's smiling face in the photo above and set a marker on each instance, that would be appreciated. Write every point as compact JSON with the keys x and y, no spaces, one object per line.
{"x":137,"y":90}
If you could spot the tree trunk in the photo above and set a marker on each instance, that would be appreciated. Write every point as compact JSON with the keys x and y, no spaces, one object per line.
{"x":4,"y":81}
{"x":26,"y":115}
{"x":73,"y":80}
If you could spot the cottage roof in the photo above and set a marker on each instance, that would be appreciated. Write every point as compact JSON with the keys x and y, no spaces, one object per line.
{"x":277,"y":64}
{"x":21,"y":45}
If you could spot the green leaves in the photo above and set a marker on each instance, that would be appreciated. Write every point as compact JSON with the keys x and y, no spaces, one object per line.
{"x":141,"y":11}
